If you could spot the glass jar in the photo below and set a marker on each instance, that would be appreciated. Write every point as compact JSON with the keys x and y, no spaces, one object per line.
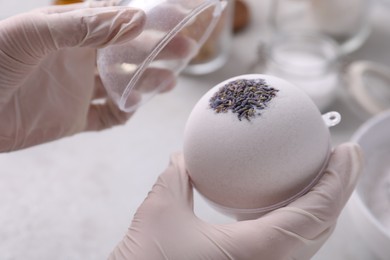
{"x":215,"y":51}
{"x":345,"y":21}
{"x":308,"y":60}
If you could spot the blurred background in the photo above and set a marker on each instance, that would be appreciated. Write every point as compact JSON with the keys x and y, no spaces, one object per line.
{"x":75,"y":198}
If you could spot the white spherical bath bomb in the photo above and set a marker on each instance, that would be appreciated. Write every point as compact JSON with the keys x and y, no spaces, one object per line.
{"x":255,"y":142}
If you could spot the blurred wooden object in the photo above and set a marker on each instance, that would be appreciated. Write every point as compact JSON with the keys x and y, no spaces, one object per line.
{"x":64,"y":2}
{"x":241,"y":15}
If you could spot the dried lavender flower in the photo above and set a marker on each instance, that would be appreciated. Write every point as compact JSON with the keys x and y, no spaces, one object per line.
{"x":244,"y":97}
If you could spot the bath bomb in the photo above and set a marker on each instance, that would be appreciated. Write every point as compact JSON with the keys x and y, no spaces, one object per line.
{"x":254,"y":143}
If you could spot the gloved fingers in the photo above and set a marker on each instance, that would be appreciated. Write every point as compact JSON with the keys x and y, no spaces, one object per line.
{"x":179,"y":47}
{"x":310,"y":219}
{"x":119,"y":67}
{"x":274,"y":236}
{"x":151,"y":80}
{"x":136,"y":50}
{"x":94,"y":27}
{"x":105,"y":115}
{"x":317,"y":210}
{"x":99,"y":91}
{"x":117,"y":77}
{"x":155,"y":77}
{"x":290,"y":232}
{"x":112,"y":95}
{"x":28,"y":37}
{"x":328,"y":197}
{"x":310,"y":247}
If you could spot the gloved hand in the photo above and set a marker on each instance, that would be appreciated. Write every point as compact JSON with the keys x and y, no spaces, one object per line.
{"x":47,"y":71}
{"x":165,"y":226}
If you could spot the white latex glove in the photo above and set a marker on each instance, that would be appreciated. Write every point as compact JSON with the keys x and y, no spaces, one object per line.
{"x":47,"y":71}
{"x":165,"y":226}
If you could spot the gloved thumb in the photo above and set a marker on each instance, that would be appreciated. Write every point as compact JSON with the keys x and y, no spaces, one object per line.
{"x":172,"y":191}
{"x":162,"y":227}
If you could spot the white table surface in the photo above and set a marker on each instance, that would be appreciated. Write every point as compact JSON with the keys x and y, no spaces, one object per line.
{"x":74,"y":198}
